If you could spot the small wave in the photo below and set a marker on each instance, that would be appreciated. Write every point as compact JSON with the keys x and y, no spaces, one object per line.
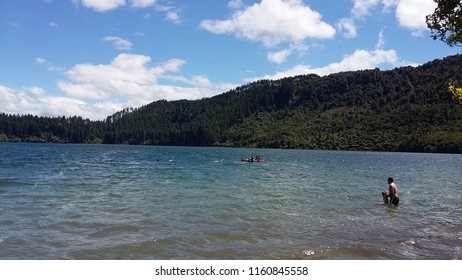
{"x":409,"y":242}
{"x":320,"y":253}
{"x":115,"y":230}
{"x":309,"y":252}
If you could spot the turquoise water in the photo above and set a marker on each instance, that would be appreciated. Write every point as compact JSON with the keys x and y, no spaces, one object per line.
{"x":139,"y":202}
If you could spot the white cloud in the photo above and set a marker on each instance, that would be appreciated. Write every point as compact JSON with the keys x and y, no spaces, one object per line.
{"x":273,"y":22}
{"x":101,"y":5}
{"x":118,"y":42}
{"x":173,"y":16}
{"x":129,"y":81}
{"x":14,"y":101}
{"x":97,"y":91}
{"x":411,"y":14}
{"x":280,"y":56}
{"x":235,"y":4}
{"x":34,"y":101}
{"x":36,"y":90}
{"x":107,"y":5}
{"x":41,"y":61}
{"x":143,"y":3}
{"x":83,"y":91}
{"x":347,"y":26}
{"x":57,"y":69}
{"x":362,"y":8}
{"x":171,"y":13}
{"x":126,"y":71}
{"x":381,"y":42}
{"x":49,"y":65}
{"x":358,"y":60}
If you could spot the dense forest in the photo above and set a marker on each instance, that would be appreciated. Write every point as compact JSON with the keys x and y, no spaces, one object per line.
{"x":405,"y":109}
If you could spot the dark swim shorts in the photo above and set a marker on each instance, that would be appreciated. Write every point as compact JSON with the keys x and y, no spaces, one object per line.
{"x":394,"y":201}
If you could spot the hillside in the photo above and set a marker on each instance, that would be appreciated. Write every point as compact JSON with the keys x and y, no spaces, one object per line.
{"x":405,"y":109}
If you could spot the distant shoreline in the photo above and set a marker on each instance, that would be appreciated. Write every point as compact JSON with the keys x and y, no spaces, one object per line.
{"x":228,"y":146}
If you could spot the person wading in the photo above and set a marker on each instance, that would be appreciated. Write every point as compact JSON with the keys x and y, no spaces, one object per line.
{"x":392,"y":195}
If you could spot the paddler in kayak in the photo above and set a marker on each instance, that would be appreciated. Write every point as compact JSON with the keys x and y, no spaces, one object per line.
{"x":253,"y":159}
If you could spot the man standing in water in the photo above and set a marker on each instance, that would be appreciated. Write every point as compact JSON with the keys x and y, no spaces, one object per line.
{"x":392,"y":192}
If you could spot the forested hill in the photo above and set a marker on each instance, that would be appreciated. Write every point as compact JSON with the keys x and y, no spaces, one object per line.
{"x":405,"y":109}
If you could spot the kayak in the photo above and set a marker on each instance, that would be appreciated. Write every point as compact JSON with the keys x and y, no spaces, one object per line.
{"x":253,"y":159}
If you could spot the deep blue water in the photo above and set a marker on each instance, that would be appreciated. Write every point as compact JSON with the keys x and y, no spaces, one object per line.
{"x":143,"y":202}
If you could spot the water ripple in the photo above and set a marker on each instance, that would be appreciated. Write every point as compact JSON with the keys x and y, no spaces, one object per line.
{"x":125,"y":202}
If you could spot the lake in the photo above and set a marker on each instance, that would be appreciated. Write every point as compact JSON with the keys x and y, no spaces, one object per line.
{"x":149,"y":202}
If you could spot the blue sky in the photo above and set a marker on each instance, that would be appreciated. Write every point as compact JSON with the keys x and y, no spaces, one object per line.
{"x":92,"y":58}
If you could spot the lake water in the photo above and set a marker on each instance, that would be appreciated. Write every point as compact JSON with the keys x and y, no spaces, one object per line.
{"x":148,"y":202}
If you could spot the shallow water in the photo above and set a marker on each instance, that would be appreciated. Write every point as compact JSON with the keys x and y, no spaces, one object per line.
{"x":138,"y":202}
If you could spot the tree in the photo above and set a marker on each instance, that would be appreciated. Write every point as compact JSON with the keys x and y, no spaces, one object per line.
{"x":446,"y":22}
{"x":456,"y":91}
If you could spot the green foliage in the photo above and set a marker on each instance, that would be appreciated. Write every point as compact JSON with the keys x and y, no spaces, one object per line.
{"x":28,"y":128}
{"x":446,"y":22}
{"x":405,"y":109}
{"x":456,"y":91}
